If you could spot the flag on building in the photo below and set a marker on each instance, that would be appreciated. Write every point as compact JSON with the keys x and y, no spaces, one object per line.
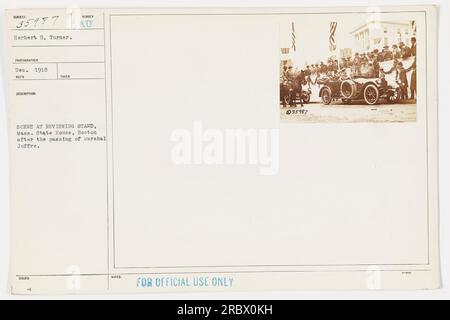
{"x":414,"y":27}
{"x":332,"y":37}
{"x":294,"y":46}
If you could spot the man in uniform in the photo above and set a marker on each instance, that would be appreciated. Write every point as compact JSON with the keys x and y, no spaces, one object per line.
{"x":289,"y":80}
{"x":413,"y":84}
{"x":288,"y":75}
{"x":329,"y":66}
{"x":413,"y":46}
{"x":357,"y":65}
{"x":284,"y":90}
{"x":376,"y":64}
{"x":396,"y":52}
{"x":387,"y":56}
{"x":403,"y":81}
{"x":383,"y":83}
{"x":307,"y":74}
{"x":283,"y":75}
{"x":323,"y":68}
{"x":406,"y":51}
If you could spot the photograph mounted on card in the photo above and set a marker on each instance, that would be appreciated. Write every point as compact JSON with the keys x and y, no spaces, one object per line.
{"x":223,"y":149}
{"x":353,"y":67}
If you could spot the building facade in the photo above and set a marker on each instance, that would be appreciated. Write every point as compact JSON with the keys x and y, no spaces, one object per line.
{"x":378,"y":34}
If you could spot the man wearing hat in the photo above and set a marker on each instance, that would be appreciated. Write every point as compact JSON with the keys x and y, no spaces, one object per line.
{"x":323,"y":68}
{"x":286,"y":83}
{"x":396,"y":52}
{"x":283,"y":74}
{"x":413,"y":86}
{"x":403,"y":81}
{"x":288,"y":76}
{"x":376,"y":54}
{"x":406,"y":51}
{"x":357,"y":63}
{"x":376,"y":65}
{"x":413,"y":46}
{"x":307,"y":73}
{"x":388,"y":56}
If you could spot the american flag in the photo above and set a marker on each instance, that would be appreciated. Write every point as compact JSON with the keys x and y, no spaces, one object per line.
{"x":414,"y":26}
{"x":293,"y":38}
{"x":332,"y":38}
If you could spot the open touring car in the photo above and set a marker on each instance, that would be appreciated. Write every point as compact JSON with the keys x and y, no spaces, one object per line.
{"x":369,"y":90}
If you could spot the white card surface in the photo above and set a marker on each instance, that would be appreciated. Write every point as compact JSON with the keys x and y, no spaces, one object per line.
{"x":173,"y":150}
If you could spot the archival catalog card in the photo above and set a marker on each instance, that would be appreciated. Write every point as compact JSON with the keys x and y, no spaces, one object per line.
{"x":174,"y":150}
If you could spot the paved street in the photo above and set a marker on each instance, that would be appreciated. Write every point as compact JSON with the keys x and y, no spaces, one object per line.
{"x":335,"y":113}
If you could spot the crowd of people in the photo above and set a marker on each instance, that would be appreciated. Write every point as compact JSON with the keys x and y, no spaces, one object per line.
{"x":367,"y":65}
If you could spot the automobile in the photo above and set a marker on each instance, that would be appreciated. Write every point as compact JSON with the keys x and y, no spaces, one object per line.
{"x":369,"y":90}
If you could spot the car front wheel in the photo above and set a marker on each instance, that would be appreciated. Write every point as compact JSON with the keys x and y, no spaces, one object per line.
{"x":286,"y":100}
{"x":371,"y":94}
{"x":326,"y":96}
{"x":306,"y":97}
{"x":394,"y":97}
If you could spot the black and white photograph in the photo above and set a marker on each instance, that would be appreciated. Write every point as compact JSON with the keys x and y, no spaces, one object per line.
{"x":359,"y":68}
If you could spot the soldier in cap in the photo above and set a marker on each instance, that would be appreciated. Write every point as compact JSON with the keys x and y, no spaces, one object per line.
{"x":323,"y":68}
{"x":396,"y":52}
{"x":286,"y":84}
{"x":383,"y":82}
{"x":413,"y":46}
{"x":357,"y":62}
{"x":288,"y":75}
{"x":376,"y":66}
{"x":375,"y":54}
{"x":403,"y":81}
{"x":406,"y":51}
{"x":283,"y":75}
{"x":387,"y":54}
{"x":307,"y":74}
{"x":413,"y":84}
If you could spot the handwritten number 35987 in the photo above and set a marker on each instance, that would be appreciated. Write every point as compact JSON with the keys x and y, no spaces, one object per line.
{"x":35,"y":22}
